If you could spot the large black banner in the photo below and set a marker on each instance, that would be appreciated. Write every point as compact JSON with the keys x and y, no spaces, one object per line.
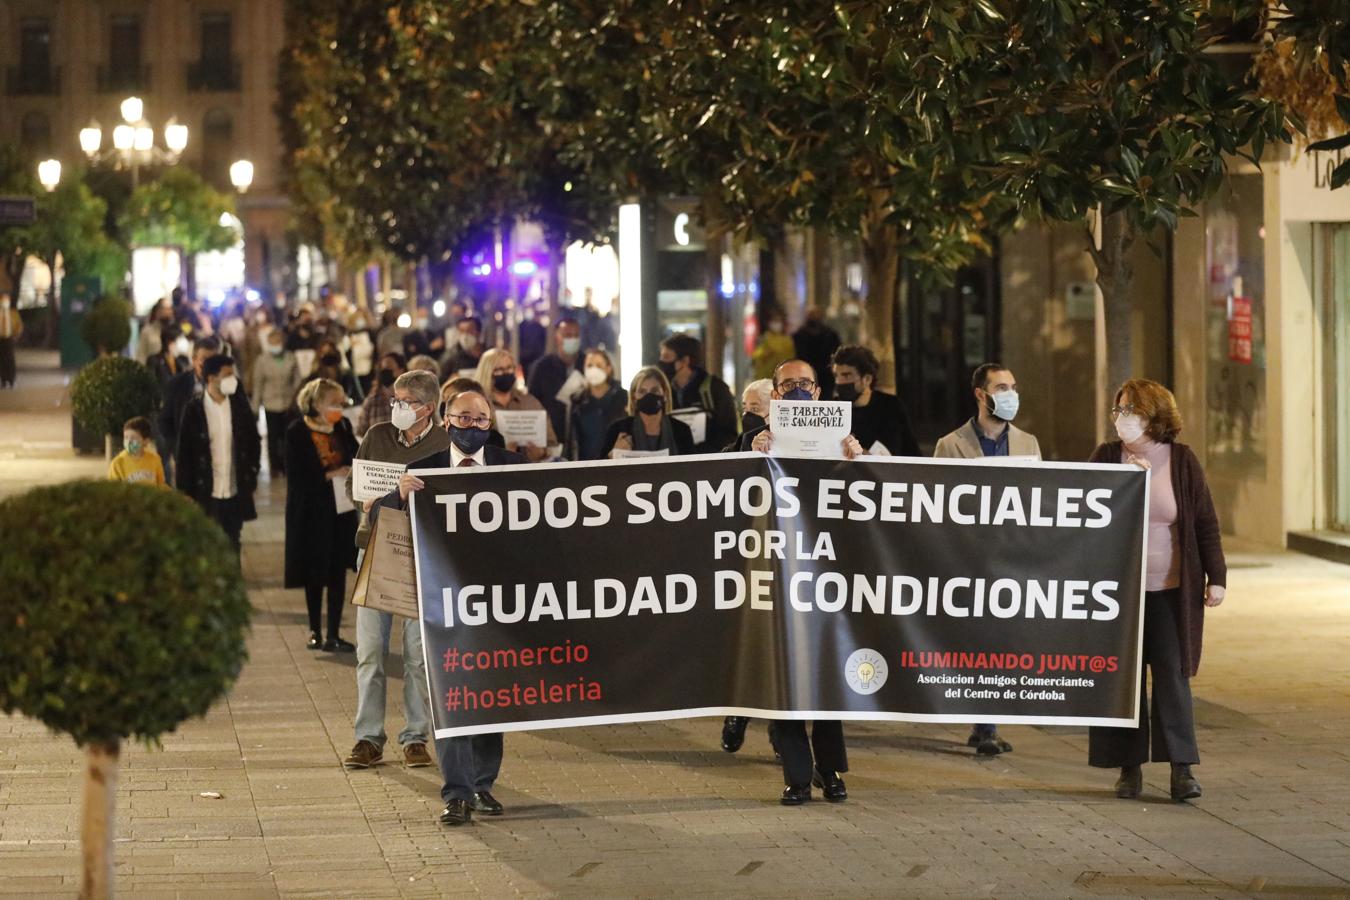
{"x":740,"y":584}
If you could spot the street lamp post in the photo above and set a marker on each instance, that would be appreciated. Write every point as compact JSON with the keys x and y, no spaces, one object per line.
{"x":133,"y":140}
{"x":49,"y":173}
{"x":241,"y":175}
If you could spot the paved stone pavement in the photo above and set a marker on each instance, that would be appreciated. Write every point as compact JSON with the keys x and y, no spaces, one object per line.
{"x":657,"y":809}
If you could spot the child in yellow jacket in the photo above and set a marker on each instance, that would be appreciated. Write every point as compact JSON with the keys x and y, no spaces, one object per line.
{"x":138,"y":462}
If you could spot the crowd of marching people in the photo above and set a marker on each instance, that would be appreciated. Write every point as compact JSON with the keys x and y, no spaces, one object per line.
{"x":332,"y":384}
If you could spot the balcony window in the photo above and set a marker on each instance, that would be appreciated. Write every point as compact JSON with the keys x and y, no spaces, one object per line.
{"x":34,"y":75}
{"x":216,"y":69}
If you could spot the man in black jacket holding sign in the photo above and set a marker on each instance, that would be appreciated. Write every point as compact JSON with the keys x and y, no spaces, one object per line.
{"x":796,"y":380}
{"x":469,"y":765}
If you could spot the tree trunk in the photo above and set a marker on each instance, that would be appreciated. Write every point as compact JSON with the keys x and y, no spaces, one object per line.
{"x":881,"y":256}
{"x":96,"y":833}
{"x":1115,"y":278}
{"x":715,"y":350}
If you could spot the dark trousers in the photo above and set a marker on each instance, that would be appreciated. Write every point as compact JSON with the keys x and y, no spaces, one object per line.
{"x":469,"y":764}
{"x":8,"y":368}
{"x":229,"y":517}
{"x":276,"y":442}
{"x":337,"y":595}
{"x":1172,"y":719}
{"x":827,"y":740}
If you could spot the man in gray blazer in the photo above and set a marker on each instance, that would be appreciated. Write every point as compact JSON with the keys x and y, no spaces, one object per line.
{"x":990,"y":433}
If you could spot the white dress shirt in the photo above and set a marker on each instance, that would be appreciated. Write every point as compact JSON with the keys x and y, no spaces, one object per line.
{"x":458,"y":456}
{"x":220,"y":430}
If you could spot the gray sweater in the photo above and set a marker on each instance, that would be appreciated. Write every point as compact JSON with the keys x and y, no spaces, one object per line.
{"x":382,"y":444}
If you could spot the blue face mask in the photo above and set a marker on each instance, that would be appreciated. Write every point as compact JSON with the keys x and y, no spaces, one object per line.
{"x":1006,"y":405}
{"x":468,"y":440}
{"x":797,"y":394}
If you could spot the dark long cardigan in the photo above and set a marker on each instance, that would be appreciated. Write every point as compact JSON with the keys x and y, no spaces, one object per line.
{"x":1200,"y":545}
{"x":319,"y":540}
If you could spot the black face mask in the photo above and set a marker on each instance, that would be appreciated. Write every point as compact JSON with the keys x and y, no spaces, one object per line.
{"x":650,"y":404}
{"x":847,"y":392}
{"x":468,"y":440}
{"x":750,"y":421}
{"x":667,"y":369}
{"x":503,"y":384}
{"x":330,"y":359}
{"x":387,"y":377}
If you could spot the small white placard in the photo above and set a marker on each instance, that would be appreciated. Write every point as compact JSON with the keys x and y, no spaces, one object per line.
{"x":696,"y":419}
{"x":637,"y":454}
{"x":810,"y":427}
{"x":523,"y":426}
{"x":304,"y":361}
{"x":575,"y":382}
{"x":340,"y":499}
{"x":372,"y":480}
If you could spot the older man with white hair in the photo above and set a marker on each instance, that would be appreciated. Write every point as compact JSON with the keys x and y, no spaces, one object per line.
{"x":409,"y":435}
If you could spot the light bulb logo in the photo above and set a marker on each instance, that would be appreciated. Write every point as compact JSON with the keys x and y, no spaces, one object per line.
{"x":865,"y":671}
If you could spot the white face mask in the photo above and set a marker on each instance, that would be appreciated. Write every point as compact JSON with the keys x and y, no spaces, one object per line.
{"x":403,"y":417}
{"x":276,"y":349}
{"x":182,"y":346}
{"x":4,"y":304}
{"x":228,"y":385}
{"x":468,"y":341}
{"x":596,"y":375}
{"x":1130,"y":428}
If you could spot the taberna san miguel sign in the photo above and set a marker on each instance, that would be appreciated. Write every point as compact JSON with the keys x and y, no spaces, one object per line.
{"x":773,"y":587}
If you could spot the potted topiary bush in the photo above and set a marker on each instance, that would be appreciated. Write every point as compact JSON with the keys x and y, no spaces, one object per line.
{"x":123,"y":614}
{"x":107,"y":327}
{"x":110,"y":390}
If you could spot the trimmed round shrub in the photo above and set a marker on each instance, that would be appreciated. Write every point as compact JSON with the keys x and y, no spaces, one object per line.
{"x":107,"y":327}
{"x":123,"y":611}
{"x":110,"y":390}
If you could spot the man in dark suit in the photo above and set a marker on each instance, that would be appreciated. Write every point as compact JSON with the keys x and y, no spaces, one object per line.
{"x":180,"y":390}
{"x":219,"y":452}
{"x":469,"y":765}
{"x":796,"y":380}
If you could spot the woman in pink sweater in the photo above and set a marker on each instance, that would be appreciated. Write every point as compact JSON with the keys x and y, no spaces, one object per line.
{"x":1186,"y":572}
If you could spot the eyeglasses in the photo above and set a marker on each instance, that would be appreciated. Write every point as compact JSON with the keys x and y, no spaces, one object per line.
{"x":465,"y":420}
{"x":793,"y":384}
{"x":404,"y":404}
{"x":1126,"y":410}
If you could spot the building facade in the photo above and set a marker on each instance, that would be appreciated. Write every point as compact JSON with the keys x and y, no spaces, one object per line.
{"x":208,"y":64}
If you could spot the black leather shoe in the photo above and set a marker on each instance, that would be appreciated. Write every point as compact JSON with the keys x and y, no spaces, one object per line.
{"x":733,"y":732}
{"x":315,"y":642}
{"x":796,"y":794}
{"x":486,"y":804}
{"x":457,"y":812}
{"x":832,"y":785}
{"x":338,"y":645}
{"x":1184,"y":785}
{"x":992,"y":745}
{"x":1130,"y":783}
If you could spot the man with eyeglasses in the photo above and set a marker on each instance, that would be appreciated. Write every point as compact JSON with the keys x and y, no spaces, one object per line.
{"x":469,"y":765}
{"x":823,"y":758}
{"x":990,"y":433}
{"x":409,"y":435}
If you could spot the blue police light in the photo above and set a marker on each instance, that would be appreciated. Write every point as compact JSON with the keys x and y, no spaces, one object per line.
{"x":524,"y":268}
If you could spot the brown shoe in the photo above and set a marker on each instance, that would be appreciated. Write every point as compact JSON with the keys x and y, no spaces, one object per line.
{"x":415,"y":756}
{"x":364,"y":755}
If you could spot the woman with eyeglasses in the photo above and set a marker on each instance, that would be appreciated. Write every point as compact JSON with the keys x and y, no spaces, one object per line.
{"x":500,"y":381}
{"x":1186,"y":573}
{"x":320,"y":539}
{"x":648,"y":427}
